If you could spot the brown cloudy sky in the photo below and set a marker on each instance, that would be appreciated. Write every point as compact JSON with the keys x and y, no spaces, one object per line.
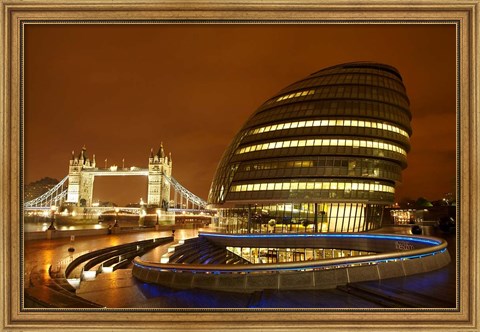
{"x":122,"y":89}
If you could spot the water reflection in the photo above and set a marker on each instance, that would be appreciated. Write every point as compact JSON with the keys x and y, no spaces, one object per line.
{"x":43,"y":226}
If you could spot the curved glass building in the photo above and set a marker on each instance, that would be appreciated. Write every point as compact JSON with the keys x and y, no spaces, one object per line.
{"x":322,"y":155}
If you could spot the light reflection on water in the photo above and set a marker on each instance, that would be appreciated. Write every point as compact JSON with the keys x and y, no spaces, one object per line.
{"x":43,"y":226}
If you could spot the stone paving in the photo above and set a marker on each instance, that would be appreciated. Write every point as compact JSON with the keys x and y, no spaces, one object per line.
{"x":120,"y":290}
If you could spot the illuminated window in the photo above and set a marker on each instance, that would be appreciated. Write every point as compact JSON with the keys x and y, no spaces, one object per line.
{"x":331,"y":123}
{"x":323,"y":142}
{"x":296,"y":95}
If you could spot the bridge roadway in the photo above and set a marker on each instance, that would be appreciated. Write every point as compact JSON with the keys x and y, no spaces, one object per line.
{"x":133,"y":171}
{"x":121,"y":290}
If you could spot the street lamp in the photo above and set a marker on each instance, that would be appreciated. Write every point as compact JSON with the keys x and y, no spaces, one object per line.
{"x":116,"y":217}
{"x":53,"y":208}
{"x":72,"y":242}
{"x":158,"y":216}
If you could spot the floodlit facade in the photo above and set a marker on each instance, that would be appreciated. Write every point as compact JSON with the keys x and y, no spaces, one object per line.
{"x":322,"y":155}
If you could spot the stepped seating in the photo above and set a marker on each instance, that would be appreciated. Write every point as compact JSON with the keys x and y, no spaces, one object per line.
{"x":202,"y":248}
{"x":113,"y":257}
{"x":216,"y":254}
{"x":184,"y":250}
{"x":202,"y":251}
{"x":56,"y":291}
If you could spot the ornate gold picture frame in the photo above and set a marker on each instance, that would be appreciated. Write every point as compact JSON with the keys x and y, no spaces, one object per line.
{"x":463,"y":14}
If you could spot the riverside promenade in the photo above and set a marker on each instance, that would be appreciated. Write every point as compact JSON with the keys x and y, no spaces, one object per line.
{"x":120,"y":290}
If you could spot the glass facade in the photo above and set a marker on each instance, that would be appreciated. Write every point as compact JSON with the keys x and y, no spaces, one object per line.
{"x":283,"y":255}
{"x":301,"y":217}
{"x":322,"y":155}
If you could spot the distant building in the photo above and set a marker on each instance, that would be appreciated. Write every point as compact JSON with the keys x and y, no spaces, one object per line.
{"x":419,"y":215}
{"x":38,"y":188}
{"x":323,"y":154}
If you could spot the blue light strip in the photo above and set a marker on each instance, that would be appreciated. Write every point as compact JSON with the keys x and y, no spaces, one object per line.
{"x":333,"y":266}
{"x":303,"y":235}
{"x":427,"y":241}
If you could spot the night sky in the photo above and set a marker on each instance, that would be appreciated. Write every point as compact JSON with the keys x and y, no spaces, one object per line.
{"x":123,"y":89}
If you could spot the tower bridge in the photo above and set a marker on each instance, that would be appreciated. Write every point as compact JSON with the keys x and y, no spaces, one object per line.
{"x":76,"y":189}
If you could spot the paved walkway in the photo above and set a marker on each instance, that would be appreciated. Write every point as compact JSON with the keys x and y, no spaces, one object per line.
{"x":121,"y":290}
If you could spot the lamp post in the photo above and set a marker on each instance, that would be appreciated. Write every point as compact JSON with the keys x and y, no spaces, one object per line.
{"x":72,"y":242}
{"x":53,"y":208}
{"x":157,"y":225}
{"x":116,"y":217}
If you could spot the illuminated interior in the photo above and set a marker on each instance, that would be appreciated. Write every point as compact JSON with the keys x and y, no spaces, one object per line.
{"x":301,"y":218}
{"x":313,"y":186}
{"x":323,"y":142}
{"x":330,"y":123}
{"x":296,"y":95}
{"x":283,"y":255}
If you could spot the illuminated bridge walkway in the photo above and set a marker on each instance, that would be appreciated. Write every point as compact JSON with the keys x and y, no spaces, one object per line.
{"x":183,"y":200}
{"x":393,"y":256}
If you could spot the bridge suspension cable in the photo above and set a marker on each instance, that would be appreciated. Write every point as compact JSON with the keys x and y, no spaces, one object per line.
{"x":185,"y":193}
{"x":55,"y":196}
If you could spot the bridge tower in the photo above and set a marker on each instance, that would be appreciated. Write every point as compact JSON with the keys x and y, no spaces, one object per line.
{"x":159,"y":167}
{"x":80,"y":184}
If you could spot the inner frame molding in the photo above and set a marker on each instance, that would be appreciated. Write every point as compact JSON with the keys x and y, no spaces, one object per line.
{"x":16,"y":14}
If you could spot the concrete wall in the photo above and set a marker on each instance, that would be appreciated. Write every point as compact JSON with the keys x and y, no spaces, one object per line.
{"x":285,"y":280}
